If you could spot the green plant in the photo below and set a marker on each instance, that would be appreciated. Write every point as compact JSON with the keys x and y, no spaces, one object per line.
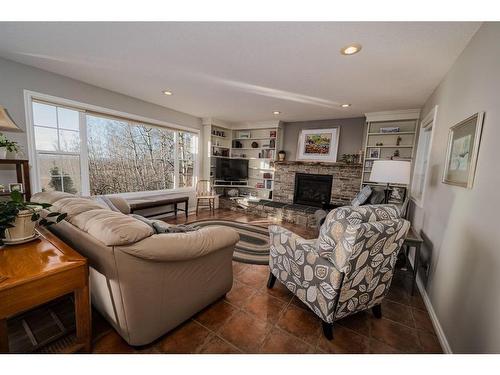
{"x":11,"y":146}
{"x":9,"y":210}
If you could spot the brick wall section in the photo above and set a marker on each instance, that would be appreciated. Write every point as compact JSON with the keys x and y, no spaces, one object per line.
{"x":345,"y":186}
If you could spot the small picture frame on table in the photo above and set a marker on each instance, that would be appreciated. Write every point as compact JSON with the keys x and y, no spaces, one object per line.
{"x":16,"y":187}
{"x":397,"y":195}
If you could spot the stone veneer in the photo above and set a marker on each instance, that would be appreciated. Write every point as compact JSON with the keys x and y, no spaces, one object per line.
{"x":346,"y":179}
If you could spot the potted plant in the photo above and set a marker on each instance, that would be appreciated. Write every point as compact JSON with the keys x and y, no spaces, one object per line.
{"x":18,"y":218}
{"x":6,"y":145}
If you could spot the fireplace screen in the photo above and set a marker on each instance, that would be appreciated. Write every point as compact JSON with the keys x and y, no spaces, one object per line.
{"x":312,"y":189}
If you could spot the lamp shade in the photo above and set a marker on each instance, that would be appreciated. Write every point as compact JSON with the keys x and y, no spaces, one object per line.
{"x":391,"y":172}
{"x":6,"y":123}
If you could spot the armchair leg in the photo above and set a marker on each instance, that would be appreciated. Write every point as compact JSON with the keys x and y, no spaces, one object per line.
{"x":377,"y":311}
{"x":328,"y":330}
{"x":271,"y":280}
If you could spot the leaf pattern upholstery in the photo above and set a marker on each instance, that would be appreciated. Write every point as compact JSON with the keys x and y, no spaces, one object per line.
{"x":337,"y":222}
{"x":368,"y":240}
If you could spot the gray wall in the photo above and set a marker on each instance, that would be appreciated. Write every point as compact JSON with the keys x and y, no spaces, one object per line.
{"x":15,"y":77}
{"x":350,"y":141}
{"x":462,"y":225}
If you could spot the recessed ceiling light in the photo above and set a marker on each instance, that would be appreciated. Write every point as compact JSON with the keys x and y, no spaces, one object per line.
{"x":166,"y":92}
{"x":276,"y":112}
{"x":350,"y":49}
{"x":345,"y":105}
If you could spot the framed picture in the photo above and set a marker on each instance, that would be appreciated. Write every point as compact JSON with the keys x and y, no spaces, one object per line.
{"x":318,"y":145}
{"x":397,"y":195}
{"x":462,"y":151}
{"x":16,"y":187}
{"x":374,"y":152}
{"x":391,"y":129}
{"x":244,"y":135}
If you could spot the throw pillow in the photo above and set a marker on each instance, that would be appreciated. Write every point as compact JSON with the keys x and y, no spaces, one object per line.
{"x":377,"y":196}
{"x":362,"y":196}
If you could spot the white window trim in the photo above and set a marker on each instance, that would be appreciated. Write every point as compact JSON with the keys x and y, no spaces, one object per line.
{"x":29,"y":96}
{"x":428,"y":121}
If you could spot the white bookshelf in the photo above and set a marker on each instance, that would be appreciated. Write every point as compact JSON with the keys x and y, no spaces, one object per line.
{"x":399,"y":144}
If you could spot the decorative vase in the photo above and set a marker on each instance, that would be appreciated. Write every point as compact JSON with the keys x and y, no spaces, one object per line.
{"x":3,"y":152}
{"x":281,"y":155}
{"x":23,"y":228}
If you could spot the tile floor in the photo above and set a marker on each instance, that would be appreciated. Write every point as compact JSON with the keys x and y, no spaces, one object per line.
{"x":254,"y":319}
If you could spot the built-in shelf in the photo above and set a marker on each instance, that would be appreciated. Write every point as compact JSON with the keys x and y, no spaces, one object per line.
{"x":253,"y":139}
{"x":390,"y":146}
{"x":407,"y":123}
{"x":219,"y":136}
{"x":394,"y":133}
{"x":252,"y":148}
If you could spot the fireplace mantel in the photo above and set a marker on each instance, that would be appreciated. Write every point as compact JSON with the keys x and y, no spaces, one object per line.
{"x":316,"y":163}
{"x":346,"y":179}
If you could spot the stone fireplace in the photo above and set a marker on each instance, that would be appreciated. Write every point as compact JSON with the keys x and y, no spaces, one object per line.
{"x":312,"y":189}
{"x":346,"y":179}
{"x":301,"y":188}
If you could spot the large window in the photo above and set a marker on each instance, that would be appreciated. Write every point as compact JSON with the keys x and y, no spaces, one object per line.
{"x":81,"y":152}
{"x":422,"y":158}
{"x":57,"y":143}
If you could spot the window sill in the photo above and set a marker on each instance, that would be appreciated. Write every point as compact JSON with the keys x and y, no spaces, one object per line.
{"x":137,"y":194}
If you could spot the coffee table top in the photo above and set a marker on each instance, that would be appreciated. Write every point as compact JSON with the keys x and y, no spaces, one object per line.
{"x":39,"y":258}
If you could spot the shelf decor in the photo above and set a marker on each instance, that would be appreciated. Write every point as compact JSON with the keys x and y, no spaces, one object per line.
{"x":318,"y":145}
{"x":462,"y":152}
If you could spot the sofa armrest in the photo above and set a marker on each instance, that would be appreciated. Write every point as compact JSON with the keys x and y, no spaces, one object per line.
{"x":170,"y":247}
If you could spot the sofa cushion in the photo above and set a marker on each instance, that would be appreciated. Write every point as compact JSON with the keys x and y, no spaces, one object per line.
{"x":112,"y":228}
{"x":183,"y":246}
{"x":50,"y":196}
{"x":114,"y":202}
{"x":73,"y":206}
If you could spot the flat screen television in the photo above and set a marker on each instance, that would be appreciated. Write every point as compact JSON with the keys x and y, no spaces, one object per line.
{"x":231,"y":169}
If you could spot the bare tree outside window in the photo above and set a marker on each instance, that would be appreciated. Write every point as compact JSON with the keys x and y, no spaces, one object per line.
{"x":125,"y":157}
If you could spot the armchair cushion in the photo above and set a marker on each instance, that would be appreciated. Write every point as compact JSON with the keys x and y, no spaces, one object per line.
{"x":372,"y":250}
{"x":337,"y":222}
{"x":313,"y":279}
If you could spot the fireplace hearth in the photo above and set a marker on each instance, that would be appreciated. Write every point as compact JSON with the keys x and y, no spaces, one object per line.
{"x":312,"y":189}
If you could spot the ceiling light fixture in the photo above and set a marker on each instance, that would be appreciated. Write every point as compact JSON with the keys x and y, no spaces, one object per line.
{"x":350,"y":49}
{"x":166,"y":92}
{"x":276,"y":113}
{"x":345,"y":105}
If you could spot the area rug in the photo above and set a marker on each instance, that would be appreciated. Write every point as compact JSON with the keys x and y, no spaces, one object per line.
{"x":253,"y":246}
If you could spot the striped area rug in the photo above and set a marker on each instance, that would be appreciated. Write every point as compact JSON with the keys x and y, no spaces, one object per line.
{"x":253,"y":246}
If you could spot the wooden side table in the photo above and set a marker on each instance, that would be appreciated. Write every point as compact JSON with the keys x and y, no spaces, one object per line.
{"x":413,"y":240}
{"x":39,"y":271}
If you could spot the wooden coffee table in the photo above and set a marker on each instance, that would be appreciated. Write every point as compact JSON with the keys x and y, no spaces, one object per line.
{"x":37,"y":272}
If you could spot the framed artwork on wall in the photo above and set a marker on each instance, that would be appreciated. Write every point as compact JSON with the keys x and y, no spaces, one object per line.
{"x":318,"y":145}
{"x":462,"y":151}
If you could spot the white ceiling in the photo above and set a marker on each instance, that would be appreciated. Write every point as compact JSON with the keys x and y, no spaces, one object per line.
{"x":244,"y":71}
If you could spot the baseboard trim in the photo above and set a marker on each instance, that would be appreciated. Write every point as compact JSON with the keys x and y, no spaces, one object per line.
{"x":435,"y":321}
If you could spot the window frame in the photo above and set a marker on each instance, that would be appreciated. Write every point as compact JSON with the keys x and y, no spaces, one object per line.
{"x":429,"y":121}
{"x":84,"y":109}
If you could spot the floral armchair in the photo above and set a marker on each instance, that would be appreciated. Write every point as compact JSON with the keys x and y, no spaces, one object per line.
{"x":348,"y":268}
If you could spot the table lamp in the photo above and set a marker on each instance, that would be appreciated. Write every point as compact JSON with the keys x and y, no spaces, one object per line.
{"x":6,"y":122}
{"x":390,"y":172}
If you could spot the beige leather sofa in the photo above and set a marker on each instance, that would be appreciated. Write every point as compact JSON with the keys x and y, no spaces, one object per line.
{"x":144,"y":284}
